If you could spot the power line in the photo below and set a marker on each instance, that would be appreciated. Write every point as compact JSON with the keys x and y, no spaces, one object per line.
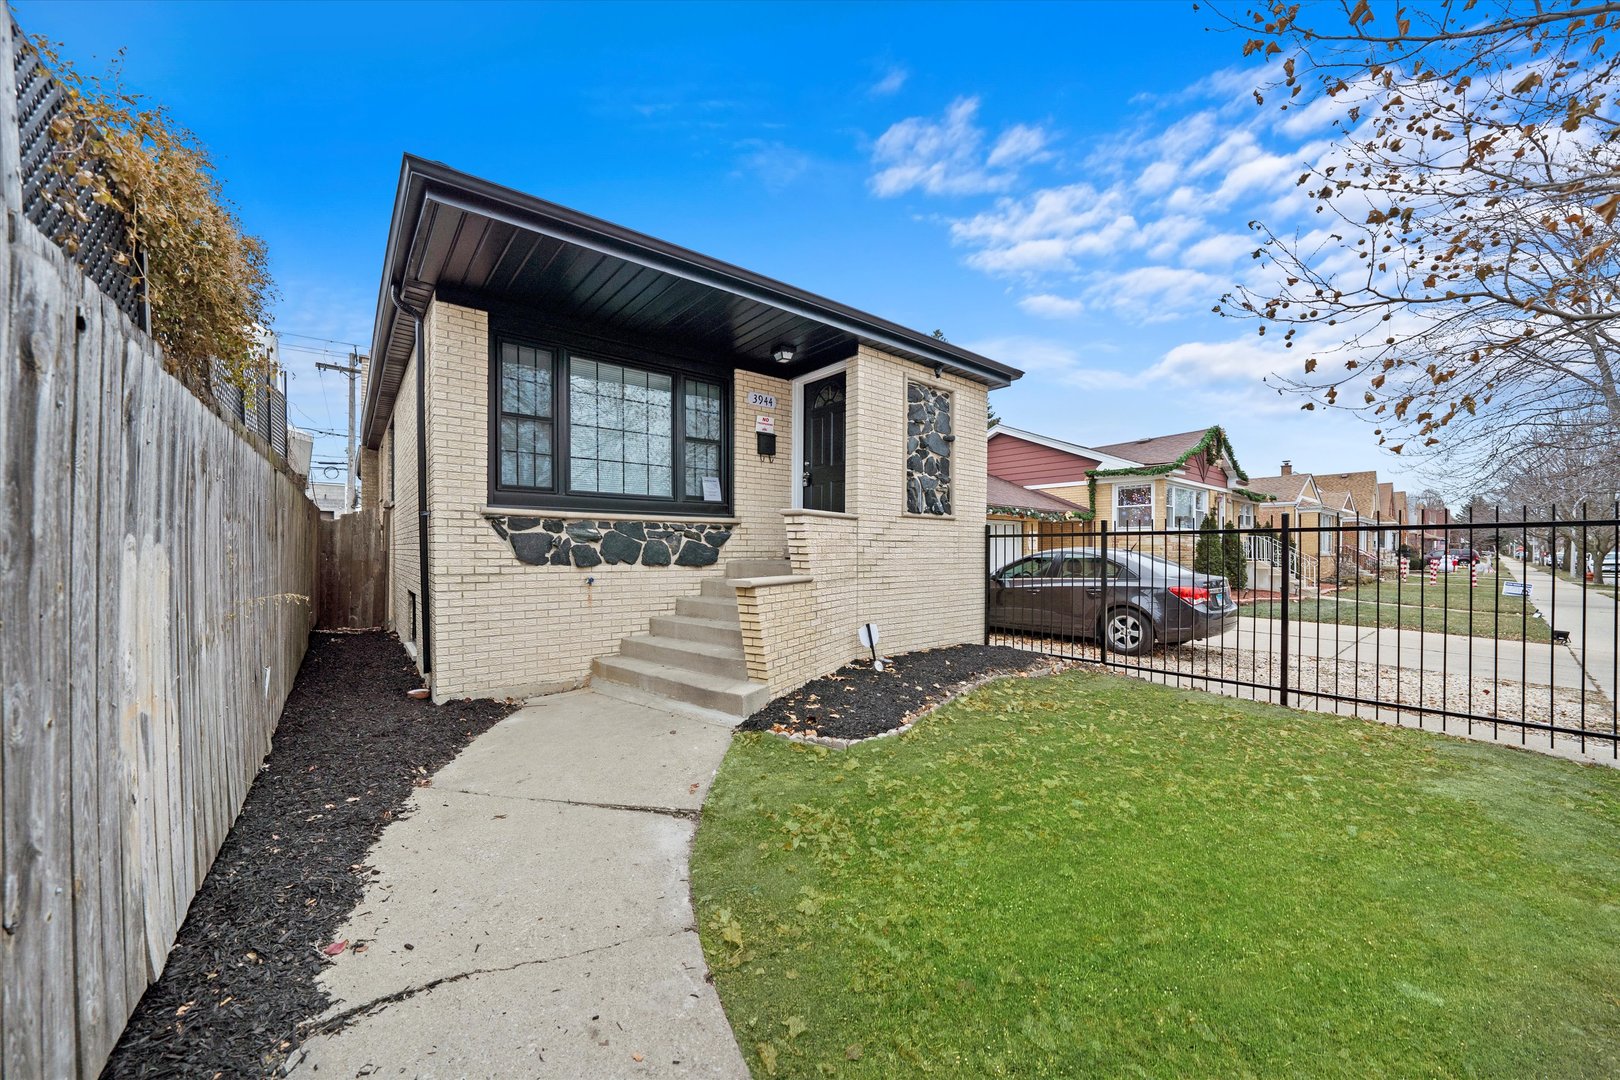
{"x":312,"y":337}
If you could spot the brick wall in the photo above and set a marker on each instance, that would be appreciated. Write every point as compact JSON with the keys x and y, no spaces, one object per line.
{"x":404,"y":561}
{"x":502,"y":628}
{"x":794,"y":632}
{"x":761,"y":487}
{"x":919,"y":577}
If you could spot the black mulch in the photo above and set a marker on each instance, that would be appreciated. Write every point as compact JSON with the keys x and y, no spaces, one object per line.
{"x":349,"y":750}
{"x":857,"y":702}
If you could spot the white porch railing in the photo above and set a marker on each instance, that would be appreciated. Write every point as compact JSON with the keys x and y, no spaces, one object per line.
{"x":1258,"y":548}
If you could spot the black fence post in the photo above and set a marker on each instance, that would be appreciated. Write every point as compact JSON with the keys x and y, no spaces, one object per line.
{"x":989,"y":589}
{"x":1102,"y":626}
{"x":1287,"y":581}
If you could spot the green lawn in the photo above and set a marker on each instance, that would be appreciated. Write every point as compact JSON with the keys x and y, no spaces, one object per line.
{"x":1085,"y":875}
{"x":1417,"y":604}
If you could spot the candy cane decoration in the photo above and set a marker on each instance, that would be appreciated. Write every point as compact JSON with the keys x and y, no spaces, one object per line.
{"x":1406,"y":568}
{"x":1434,"y":570}
{"x":1473,"y":574}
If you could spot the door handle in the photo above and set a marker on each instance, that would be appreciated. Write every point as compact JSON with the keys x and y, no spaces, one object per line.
{"x":1094,"y":592}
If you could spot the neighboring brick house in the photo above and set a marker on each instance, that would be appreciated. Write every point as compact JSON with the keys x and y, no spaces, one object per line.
{"x":1167,"y":482}
{"x":1170,"y":482}
{"x":601,"y":493}
{"x":1298,"y":495}
{"x":1391,"y":511}
{"x":1024,"y":521}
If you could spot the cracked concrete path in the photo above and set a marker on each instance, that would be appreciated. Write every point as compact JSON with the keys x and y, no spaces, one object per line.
{"x":531,"y":916}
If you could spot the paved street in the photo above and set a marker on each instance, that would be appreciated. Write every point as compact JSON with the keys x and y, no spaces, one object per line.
{"x":1591,"y":618}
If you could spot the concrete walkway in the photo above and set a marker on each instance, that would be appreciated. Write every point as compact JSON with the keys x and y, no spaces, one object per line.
{"x":531,"y":916}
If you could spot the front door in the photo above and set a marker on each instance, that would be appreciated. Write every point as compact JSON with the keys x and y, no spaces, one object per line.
{"x":824,"y":444}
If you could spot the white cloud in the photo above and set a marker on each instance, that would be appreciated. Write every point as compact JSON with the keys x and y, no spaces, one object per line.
{"x":1157,"y":293}
{"x":1054,"y":361}
{"x":892,"y":81}
{"x":1021,"y":142}
{"x":947,"y":156}
{"x":1219,"y":251}
{"x":1049,"y":306}
{"x":774,"y":164}
{"x":1200,"y":362}
{"x":1046,"y":231}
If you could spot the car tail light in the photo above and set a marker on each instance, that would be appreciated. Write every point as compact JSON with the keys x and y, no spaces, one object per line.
{"x":1192,"y":594}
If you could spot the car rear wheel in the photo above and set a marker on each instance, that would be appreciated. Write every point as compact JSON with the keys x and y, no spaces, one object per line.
{"x":1128,"y":632}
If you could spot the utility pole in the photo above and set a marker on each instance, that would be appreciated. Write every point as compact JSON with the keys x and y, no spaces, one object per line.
{"x":351,"y":494}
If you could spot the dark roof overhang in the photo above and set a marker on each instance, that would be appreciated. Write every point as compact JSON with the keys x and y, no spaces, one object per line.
{"x":455,"y":232}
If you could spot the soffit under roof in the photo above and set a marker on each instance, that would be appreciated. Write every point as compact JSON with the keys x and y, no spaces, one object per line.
{"x":456,"y":234}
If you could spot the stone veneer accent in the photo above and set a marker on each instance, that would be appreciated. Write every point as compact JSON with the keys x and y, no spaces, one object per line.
{"x":544,"y":541}
{"x":928,"y":450}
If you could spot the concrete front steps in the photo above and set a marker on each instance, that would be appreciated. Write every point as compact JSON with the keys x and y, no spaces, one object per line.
{"x":695,"y":656}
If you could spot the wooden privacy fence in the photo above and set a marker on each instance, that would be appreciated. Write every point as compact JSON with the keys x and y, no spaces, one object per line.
{"x":353,"y":586}
{"x":156,"y":575}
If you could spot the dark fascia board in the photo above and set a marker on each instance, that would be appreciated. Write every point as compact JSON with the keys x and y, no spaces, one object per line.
{"x":407,"y":208}
{"x":421,"y":180}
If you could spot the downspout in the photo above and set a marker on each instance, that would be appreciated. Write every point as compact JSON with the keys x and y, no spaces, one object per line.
{"x":426,"y":652}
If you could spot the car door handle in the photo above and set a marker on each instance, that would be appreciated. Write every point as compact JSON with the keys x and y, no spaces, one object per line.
{"x":1094,"y":592}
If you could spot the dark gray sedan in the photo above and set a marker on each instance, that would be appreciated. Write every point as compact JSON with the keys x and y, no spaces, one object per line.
{"x":1129,"y":600}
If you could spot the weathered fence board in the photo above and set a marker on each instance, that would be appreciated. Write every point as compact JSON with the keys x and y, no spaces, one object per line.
{"x":157,"y":580}
{"x":353,"y":579}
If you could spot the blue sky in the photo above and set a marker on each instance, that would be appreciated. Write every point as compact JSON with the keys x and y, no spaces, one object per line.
{"x":1064,"y":188}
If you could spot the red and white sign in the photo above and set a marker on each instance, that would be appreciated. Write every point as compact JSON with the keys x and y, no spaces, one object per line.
{"x":765,"y":424}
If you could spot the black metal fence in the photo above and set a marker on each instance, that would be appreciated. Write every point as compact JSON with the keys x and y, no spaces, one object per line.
{"x":1502,"y":629}
{"x":260,"y":406}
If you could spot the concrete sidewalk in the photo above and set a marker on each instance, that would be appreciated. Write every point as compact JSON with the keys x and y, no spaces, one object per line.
{"x":1589,"y":615}
{"x":531,"y":917}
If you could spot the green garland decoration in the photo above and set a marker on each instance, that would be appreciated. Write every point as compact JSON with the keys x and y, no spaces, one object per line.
{"x":1214,"y":444}
{"x":1039,"y":515}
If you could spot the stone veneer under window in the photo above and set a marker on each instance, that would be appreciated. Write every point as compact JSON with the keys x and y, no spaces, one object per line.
{"x":542,"y":541}
{"x":928,"y":450}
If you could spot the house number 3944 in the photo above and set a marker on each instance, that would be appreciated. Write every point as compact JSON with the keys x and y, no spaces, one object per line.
{"x":762,"y":401}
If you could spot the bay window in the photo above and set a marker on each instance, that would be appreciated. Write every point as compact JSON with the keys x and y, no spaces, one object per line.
{"x":591,"y":431}
{"x":1133,"y":506}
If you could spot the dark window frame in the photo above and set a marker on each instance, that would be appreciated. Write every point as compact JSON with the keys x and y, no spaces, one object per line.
{"x":500,"y":413}
{"x":563,"y":346}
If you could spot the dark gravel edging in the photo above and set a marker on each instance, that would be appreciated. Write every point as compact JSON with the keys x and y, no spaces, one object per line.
{"x":858,"y":702}
{"x":350,"y":749}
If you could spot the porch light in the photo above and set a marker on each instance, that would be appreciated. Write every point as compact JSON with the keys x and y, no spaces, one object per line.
{"x":782,"y":354}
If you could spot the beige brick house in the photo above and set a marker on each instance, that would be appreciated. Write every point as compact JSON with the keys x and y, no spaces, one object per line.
{"x":643,"y":466}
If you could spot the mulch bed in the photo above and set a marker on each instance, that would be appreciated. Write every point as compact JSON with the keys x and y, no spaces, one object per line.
{"x":858,"y":702}
{"x":350,"y":749}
